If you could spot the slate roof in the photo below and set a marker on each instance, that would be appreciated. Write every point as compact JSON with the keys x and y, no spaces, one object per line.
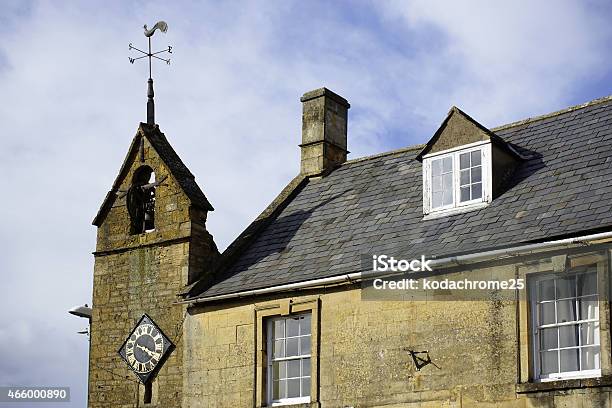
{"x":374,"y":205}
{"x":177,"y":168}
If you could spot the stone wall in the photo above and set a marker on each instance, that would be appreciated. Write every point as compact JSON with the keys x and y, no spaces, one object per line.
{"x":363,"y":357}
{"x":144,"y":273}
{"x":127,"y":285}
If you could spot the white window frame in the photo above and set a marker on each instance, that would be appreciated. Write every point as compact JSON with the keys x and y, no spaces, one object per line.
{"x":271,"y":359}
{"x":535,"y":340}
{"x":458,"y":206}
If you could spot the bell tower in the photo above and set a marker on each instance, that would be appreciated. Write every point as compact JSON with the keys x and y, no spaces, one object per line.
{"x":151,"y":243}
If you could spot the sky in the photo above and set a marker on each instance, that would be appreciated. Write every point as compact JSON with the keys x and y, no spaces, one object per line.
{"x":229,"y":104}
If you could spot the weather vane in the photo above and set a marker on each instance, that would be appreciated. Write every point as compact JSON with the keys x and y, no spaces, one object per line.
{"x":163,"y":27}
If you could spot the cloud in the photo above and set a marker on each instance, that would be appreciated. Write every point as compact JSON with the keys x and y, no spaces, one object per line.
{"x":514,"y":59}
{"x":229,"y":104}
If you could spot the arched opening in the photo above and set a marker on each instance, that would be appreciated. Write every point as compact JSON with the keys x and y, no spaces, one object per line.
{"x":141,"y":200}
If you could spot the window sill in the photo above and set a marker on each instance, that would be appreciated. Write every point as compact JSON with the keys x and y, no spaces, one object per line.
{"x":560,"y":385}
{"x":296,"y":405}
{"x":433,"y":214}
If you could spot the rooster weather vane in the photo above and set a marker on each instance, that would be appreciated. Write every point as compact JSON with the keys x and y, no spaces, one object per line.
{"x":163,"y":27}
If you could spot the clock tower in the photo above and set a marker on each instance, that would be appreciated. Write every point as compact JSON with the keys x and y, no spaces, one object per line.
{"x":152,"y":243}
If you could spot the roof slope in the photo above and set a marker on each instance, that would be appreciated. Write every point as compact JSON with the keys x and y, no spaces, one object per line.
{"x":374,"y":205}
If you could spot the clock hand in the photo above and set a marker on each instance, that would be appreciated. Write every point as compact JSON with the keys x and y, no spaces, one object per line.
{"x":146,"y":350}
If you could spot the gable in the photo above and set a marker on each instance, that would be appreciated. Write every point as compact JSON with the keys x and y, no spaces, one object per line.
{"x":150,"y":137}
{"x":457,"y":131}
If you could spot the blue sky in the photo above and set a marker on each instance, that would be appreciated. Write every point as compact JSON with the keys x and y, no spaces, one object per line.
{"x":229,"y":104}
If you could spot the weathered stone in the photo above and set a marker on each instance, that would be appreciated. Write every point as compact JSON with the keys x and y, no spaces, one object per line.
{"x":324,"y":127}
{"x":143,"y":273}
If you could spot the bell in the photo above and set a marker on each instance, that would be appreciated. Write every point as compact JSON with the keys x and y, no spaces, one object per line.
{"x":149,"y":220}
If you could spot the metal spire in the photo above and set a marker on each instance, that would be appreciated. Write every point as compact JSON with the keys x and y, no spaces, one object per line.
{"x":163,"y":27}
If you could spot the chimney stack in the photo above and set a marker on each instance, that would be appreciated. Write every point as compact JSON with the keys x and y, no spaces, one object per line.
{"x":324,"y":124}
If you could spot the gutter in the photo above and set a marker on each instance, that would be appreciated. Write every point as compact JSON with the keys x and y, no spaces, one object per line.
{"x":449,"y":261}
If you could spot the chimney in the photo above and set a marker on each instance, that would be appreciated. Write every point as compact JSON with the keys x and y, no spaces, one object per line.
{"x":324,"y":123}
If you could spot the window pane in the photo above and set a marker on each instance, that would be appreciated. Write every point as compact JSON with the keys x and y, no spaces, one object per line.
{"x":569,"y":360}
{"x":282,"y":389}
{"x":465,"y":194}
{"x":436,"y":183}
{"x":589,"y":308}
{"x":293,"y":368}
{"x":477,"y":174}
{"x":476,"y":158}
{"x":279,"y":370}
{"x":568,"y":336}
{"x":292,"y":347}
{"x":448,"y":197}
{"x":279,"y":348}
{"x":566,"y":287}
{"x":447,"y":182}
{"x":305,"y":345}
{"x":464,"y":177}
{"x":305,"y":387}
{"x":306,"y":367}
{"x":590,"y":358}
{"x":549,"y":362}
{"x":436,"y":200}
{"x":279,"y":329}
{"x":589,"y":333}
{"x":447,"y":164}
{"x":293,"y":327}
{"x":293,"y":388}
{"x":305,"y":325}
{"x":275,"y":390}
{"x":275,"y":371}
{"x":546,"y":290}
{"x":547,"y":313}
{"x":442,"y":183}
{"x":476,"y":191}
{"x":587,"y":284}
{"x":436,"y":167}
{"x":566,"y":311}
{"x":464,"y":161}
{"x":548,"y":338}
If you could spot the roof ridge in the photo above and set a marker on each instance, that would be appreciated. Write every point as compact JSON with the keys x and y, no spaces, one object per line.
{"x":501,"y":127}
{"x":388,"y":153}
{"x":553,"y":114}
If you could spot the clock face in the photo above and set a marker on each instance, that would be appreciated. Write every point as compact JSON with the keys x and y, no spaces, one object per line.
{"x":145,"y":349}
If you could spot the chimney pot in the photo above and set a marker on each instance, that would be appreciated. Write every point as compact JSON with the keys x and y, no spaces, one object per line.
{"x":324,"y":127}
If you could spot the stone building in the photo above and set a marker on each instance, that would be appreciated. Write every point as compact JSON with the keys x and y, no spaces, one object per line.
{"x":291,"y":313}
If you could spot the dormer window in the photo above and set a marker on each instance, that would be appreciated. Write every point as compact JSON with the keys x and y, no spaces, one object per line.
{"x":456,"y":179}
{"x":465,"y":166}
